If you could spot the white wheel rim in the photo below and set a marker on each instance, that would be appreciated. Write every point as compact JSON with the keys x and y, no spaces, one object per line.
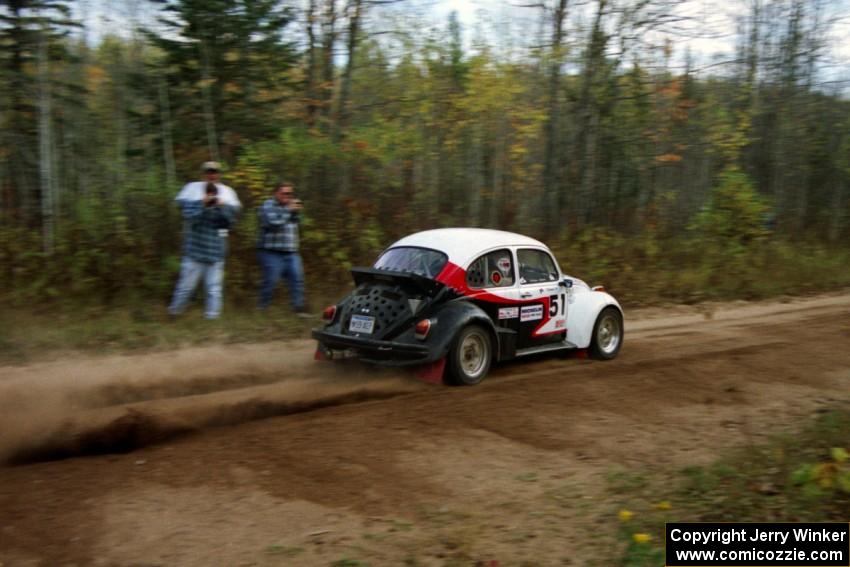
{"x":608,"y":334}
{"x":473,"y":354}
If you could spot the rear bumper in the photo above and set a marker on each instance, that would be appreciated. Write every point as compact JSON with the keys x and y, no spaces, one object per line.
{"x":381,"y":352}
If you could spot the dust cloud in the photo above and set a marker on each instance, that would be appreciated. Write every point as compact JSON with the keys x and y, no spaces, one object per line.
{"x":119,"y":403}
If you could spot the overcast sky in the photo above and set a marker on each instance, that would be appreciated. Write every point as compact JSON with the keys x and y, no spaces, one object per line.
{"x":709,"y":32}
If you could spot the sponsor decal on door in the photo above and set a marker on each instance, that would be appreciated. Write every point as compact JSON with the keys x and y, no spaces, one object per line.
{"x":531,"y":313}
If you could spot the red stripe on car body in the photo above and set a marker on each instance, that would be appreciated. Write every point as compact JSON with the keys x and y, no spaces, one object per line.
{"x":454,"y":277}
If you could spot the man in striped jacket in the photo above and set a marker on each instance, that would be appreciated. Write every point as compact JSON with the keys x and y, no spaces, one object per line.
{"x":209,"y":208}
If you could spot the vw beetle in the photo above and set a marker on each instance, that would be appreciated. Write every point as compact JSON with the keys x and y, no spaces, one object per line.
{"x":454,"y":300}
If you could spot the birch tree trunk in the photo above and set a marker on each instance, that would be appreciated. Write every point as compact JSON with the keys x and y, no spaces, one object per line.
{"x":551,"y":187}
{"x":343,"y":111}
{"x":209,"y":111}
{"x":328,"y":42}
{"x":167,"y":143}
{"x":312,"y":63}
{"x":355,"y":11}
{"x":45,"y":146}
{"x":585,"y":135}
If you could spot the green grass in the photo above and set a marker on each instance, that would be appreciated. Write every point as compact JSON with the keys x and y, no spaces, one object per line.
{"x":527,"y":477}
{"x":400,"y":526}
{"x":623,"y":481}
{"x":345,"y":562}
{"x":284,"y":550}
{"x":802,"y":477}
{"x":26,"y":335}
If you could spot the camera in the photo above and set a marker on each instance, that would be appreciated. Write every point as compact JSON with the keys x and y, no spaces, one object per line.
{"x":212,"y":194}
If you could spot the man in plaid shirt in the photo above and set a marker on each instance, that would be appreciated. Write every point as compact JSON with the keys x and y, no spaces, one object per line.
{"x":277,"y":246}
{"x":209,"y":208}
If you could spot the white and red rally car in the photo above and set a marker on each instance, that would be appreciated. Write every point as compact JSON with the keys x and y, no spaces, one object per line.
{"x":456,"y":299}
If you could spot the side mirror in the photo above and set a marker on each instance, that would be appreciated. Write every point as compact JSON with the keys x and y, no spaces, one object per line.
{"x":567,"y":283}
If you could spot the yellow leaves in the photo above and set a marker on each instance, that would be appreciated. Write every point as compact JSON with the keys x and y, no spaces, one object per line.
{"x":632,"y":531}
{"x":251,"y":173}
{"x":672,"y":89}
{"x":668,"y":158}
{"x":518,"y":151}
{"x":825,"y":473}
{"x":94,"y":77}
{"x":728,"y":132}
{"x":834,"y":474}
{"x":232,"y":88}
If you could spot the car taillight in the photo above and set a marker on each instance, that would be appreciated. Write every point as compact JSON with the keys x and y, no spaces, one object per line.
{"x":420,"y":331}
{"x":329,"y":312}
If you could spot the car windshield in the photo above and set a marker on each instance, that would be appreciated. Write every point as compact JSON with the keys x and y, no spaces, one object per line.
{"x":420,"y":261}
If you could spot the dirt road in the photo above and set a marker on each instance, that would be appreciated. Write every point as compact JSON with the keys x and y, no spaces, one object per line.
{"x":356,"y":464}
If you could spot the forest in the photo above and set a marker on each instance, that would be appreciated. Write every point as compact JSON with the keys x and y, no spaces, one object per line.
{"x":647,"y":167}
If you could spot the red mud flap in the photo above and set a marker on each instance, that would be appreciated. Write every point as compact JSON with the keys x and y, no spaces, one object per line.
{"x":431,"y":373}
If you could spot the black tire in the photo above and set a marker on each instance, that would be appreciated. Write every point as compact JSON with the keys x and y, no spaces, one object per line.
{"x":469,"y":356}
{"x":608,"y":334}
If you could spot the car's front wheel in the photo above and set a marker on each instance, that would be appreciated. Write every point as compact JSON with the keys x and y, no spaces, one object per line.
{"x":607,"y":334}
{"x":470,"y":355}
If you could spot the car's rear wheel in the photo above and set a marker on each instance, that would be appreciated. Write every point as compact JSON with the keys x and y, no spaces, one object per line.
{"x":470,"y":356}
{"x":607,"y":334}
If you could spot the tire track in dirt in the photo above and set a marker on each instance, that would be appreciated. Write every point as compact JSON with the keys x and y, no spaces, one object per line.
{"x":53,"y":411}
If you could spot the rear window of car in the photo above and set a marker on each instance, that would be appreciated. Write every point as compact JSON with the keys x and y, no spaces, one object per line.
{"x":495,"y":269}
{"x":422,"y":261}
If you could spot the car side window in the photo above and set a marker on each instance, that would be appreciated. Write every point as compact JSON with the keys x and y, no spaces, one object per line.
{"x":494,"y":269}
{"x":535,"y":266}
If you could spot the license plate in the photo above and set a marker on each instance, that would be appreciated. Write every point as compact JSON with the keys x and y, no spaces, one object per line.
{"x":361,"y":324}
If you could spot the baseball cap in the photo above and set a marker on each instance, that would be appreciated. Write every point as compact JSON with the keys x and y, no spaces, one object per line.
{"x":211,"y":166}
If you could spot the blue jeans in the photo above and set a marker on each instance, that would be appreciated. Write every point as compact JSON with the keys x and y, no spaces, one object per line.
{"x":278,"y":265}
{"x":191,"y":272}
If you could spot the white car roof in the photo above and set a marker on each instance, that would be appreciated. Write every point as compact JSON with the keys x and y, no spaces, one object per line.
{"x":462,"y":245}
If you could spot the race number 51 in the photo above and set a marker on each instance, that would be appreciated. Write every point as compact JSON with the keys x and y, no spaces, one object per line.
{"x":554,"y":301}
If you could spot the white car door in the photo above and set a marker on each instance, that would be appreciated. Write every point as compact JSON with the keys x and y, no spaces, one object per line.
{"x":543,"y":311}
